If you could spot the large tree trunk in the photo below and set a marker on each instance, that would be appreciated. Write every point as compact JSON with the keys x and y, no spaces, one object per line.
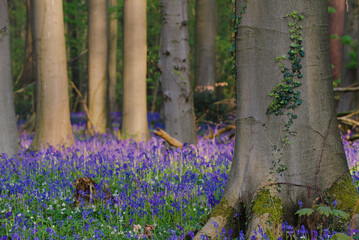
{"x":134,"y":123}
{"x":99,"y":119}
{"x":273,"y":169}
{"x":205,"y":45}
{"x":175,"y":71}
{"x":112,"y":55}
{"x":52,"y":100}
{"x":9,"y":140}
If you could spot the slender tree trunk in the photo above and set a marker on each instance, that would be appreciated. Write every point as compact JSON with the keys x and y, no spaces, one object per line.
{"x":336,"y":27}
{"x":97,"y":66}
{"x":349,"y":76}
{"x":269,"y":176}
{"x":9,"y":140}
{"x":205,"y":45}
{"x":28,"y":75}
{"x":52,"y":100}
{"x":112,"y":56}
{"x":175,"y":75}
{"x":134,"y":123}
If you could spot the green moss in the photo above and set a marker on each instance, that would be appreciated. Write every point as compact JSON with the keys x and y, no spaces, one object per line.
{"x":345,"y":193}
{"x":222,"y":209}
{"x":266,"y":203}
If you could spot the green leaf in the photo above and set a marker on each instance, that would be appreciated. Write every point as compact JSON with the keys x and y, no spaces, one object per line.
{"x":334,"y":36}
{"x":324,"y":210}
{"x":304,"y":211}
{"x":340,"y":213}
{"x":331,"y":10}
{"x":340,"y":236}
{"x":346,"y":39}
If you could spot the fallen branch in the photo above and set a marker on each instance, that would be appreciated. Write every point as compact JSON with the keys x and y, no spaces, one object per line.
{"x":346,"y":89}
{"x":73,"y":60}
{"x":172,"y":141}
{"x":220,"y":132}
{"x":83,"y":103}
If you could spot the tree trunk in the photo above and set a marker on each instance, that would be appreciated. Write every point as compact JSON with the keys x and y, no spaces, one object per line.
{"x":205,"y":45}
{"x":28,"y":75}
{"x":276,"y":165}
{"x":97,"y":66}
{"x":175,"y":71}
{"x":336,"y":27}
{"x":134,"y":123}
{"x":112,"y":56}
{"x":9,"y":141}
{"x":349,"y":77}
{"x":52,"y":99}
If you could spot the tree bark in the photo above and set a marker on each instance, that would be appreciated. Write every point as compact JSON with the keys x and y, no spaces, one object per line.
{"x":134,"y":123}
{"x":97,"y":67}
{"x":268,"y":176}
{"x":349,"y":76}
{"x":9,"y":141}
{"x":112,"y":56}
{"x":205,"y":45}
{"x":336,"y":27}
{"x":28,"y":75}
{"x":175,"y":71}
{"x":52,"y":99}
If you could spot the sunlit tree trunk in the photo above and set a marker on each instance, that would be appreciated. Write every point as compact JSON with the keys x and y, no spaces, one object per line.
{"x":52,"y":100}
{"x":112,"y":55}
{"x":9,"y":140}
{"x":98,"y":121}
{"x":175,"y":71}
{"x":268,"y":176}
{"x":205,"y":45}
{"x":134,"y":123}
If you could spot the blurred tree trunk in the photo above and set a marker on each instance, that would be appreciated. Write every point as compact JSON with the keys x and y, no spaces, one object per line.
{"x":349,"y":100}
{"x":175,"y":71}
{"x":73,"y":34}
{"x":52,"y":99}
{"x":9,"y":140}
{"x":28,"y":75}
{"x":99,"y":119}
{"x":134,"y":120}
{"x":268,"y":176}
{"x":205,"y":45}
{"x":112,"y":54}
{"x":336,"y":27}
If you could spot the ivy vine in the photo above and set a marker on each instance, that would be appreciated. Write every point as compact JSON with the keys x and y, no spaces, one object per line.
{"x":236,"y":20}
{"x":284,"y":94}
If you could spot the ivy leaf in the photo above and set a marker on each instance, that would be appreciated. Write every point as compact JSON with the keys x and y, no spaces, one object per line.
{"x":304,"y":211}
{"x":340,"y":236}
{"x":324,"y":210}
{"x":339,"y":213}
{"x":331,"y":10}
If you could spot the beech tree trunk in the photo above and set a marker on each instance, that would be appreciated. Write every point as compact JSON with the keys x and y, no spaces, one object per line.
{"x":9,"y":140}
{"x":134,"y":121}
{"x":112,"y":56}
{"x":52,"y":99}
{"x":99,"y":120}
{"x":268,"y":176}
{"x":205,"y":45}
{"x":175,"y":71}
